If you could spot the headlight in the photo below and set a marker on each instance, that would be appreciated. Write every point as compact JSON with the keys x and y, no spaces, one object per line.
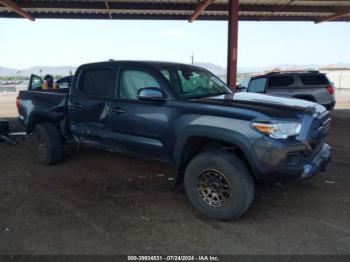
{"x":278,"y":129}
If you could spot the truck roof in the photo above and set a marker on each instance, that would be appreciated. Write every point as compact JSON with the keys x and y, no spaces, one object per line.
{"x":144,"y":62}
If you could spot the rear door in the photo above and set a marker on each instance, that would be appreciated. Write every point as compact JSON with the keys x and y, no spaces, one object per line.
{"x":138,"y":126}
{"x":89,"y":105}
{"x":315,"y":87}
{"x":281,"y":85}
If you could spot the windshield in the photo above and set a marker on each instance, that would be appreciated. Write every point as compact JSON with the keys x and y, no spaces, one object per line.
{"x":193,"y":82}
{"x":245,"y":83}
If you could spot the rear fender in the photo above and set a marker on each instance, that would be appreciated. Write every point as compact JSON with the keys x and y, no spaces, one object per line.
{"x":40,"y":117}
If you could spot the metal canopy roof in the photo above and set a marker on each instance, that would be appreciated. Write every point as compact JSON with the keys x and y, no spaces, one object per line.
{"x":249,"y":10}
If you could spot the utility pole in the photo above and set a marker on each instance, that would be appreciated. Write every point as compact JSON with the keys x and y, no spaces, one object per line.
{"x":233,"y":14}
{"x":192,"y":58}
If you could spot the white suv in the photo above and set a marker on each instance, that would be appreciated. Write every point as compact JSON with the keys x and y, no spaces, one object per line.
{"x":308,"y":85}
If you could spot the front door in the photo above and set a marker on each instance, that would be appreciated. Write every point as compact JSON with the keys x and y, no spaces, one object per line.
{"x":137,"y":126}
{"x":89,"y":106}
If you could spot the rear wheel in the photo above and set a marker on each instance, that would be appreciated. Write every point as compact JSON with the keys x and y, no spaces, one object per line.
{"x":219,"y":185}
{"x":49,"y":144}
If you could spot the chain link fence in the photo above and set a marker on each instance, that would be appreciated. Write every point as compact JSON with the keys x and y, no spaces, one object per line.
{"x":340,"y":78}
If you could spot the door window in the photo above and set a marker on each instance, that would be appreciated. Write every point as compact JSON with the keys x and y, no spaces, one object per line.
{"x":257,"y":85}
{"x":36,"y":83}
{"x":193,"y":82}
{"x":243,"y":86}
{"x":280,"y":81}
{"x":314,"y":80}
{"x":64,"y":82}
{"x":95,"y":82}
{"x":132,"y":80}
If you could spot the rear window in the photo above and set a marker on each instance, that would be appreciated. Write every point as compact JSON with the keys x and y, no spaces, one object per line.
{"x":281,"y":81}
{"x":95,"y":82}
{"x":314,"y":80}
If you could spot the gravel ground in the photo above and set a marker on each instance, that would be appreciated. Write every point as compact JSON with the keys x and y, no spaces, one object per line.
{"x":102,"y":203}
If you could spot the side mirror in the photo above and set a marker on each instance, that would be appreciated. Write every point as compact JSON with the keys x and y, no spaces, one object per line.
{"x":151,"y":94}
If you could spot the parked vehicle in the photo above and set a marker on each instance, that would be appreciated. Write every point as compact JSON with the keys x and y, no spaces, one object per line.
{"x":220,"y":143}
{"x":308,"y":85}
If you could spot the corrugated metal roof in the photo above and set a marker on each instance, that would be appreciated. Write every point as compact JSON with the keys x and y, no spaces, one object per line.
{"x":251,"y":10}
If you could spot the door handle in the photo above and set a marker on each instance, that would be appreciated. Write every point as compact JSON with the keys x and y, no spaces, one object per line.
{"x":118,"y":110}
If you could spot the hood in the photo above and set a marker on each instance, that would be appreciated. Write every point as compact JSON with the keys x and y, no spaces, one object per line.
{"x":271,"y":106}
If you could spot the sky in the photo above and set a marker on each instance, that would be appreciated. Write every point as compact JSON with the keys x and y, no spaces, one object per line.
{"x":53,"y":42}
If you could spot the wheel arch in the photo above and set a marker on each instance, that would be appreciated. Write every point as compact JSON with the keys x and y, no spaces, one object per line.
{"x":192,"y":143}
{"x":38,"y":118}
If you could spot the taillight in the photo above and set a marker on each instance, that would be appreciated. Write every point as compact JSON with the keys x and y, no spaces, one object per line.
{"x":330,"y":89}
{"x":17,"y":102}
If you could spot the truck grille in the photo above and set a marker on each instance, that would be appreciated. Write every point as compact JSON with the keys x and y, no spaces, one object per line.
{"x":320,"y":128}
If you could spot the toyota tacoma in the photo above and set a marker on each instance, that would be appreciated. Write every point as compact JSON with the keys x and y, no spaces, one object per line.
{"x":221,"y":143}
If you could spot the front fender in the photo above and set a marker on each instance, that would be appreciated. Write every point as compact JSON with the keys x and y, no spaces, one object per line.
{"x":232,"y":131}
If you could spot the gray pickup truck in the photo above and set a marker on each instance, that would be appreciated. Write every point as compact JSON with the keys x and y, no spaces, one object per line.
{"x":220,"y":143}
{"x":307,"y":85}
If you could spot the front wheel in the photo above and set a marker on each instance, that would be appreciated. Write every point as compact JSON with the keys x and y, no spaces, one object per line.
{"x":49,"y":144}
{"x":219,"y":185}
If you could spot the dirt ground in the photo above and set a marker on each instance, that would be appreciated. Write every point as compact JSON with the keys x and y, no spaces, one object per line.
{"x":102,"y":203}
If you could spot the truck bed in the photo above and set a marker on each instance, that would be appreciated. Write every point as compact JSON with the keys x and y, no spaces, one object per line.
{"x":42,"y":104}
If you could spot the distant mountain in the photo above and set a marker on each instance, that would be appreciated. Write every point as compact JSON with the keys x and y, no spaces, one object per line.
{"x":215,"y":69}
{"x":52,"y":70}
{"x":64,"y":70}
{"x":290,"y":67}
{"x":4,"y":71}
{"x":221,"y":71}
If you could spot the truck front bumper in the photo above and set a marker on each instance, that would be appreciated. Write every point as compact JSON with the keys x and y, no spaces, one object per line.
{"x":319,"y":163}
{"x":292,"y":164}
{"x":330,"y":106}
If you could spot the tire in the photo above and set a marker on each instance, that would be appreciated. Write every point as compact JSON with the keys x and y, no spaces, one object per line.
{"x":4,"y":127}
{"x":49,"y":144}
{"x":229,"y":174}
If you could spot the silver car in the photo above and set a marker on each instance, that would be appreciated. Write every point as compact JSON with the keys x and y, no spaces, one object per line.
{"x":308,"y":85}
